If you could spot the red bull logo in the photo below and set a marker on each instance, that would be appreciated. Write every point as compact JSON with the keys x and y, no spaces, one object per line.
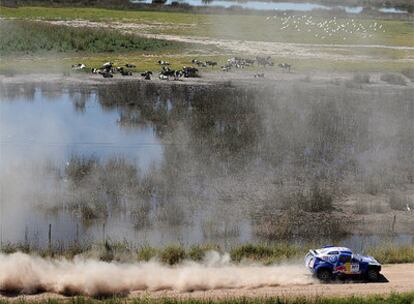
{"x":340,"y":268}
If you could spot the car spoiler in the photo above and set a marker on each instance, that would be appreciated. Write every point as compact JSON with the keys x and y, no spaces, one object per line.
{"x":313,"y":252}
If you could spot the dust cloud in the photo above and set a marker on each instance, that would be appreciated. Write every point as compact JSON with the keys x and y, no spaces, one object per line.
{"x":23,"y":273}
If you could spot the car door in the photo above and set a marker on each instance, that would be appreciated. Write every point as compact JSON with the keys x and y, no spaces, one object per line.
{"x":343,"y":264}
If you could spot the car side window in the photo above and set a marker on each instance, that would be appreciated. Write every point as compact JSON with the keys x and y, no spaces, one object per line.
{"x":344,"y":258}
{"x":333,"y":253}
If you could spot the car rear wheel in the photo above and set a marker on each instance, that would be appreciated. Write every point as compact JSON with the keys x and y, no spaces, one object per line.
{"x":324,"y":275}
{"x":373,"y":275}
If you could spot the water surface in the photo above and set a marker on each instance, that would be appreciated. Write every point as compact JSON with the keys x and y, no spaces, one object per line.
{"x":219,"y":161}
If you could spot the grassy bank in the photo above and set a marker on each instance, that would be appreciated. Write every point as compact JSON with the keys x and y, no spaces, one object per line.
{"x":59,"y":63}
{"x":404,"y":298}
{"x":22,"y":37}
{"x":174,"y":254}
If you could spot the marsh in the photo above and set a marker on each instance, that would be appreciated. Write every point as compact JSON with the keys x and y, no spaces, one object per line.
{"x":219,"y":163}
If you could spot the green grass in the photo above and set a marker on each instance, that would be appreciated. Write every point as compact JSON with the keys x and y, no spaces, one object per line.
{"x":231,"y":26}
{"x":51,"y":48}
{"x":61,"y":63}
{"x":403,"y":298}
{"x":174,"y":254}
{"x":389,"y":254}
{"x":267,"y":254}
{"x":22,"y":37}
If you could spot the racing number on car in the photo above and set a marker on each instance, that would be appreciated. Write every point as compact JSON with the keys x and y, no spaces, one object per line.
{"x":354,"y":267}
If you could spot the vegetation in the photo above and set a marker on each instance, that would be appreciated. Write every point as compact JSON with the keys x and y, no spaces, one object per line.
{"x":393,"y":78}
{"x":266,"y":254}
{"x":361,"y":78}
{"x":409,"y":73}
{"x":402,"y":298}
{"x":26,"y":37}
{"x":174,"y":254}
{"x":62,"y":64}
{"x":399,"y":202}
{"x":390,"y":254}
{"x":228,"y":26}
{"x":92,"y":47}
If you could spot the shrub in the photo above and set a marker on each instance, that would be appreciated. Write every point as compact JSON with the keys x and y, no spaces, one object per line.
{"x":265,"y":253}
{"x":146,"y":253}
{"x":79,"y":167}
{"x":198,"y":252}
{"x":114,"y":251}
{"x":320,"y":200}
{"x":140,"y":215}
{"x":398,"y":201}
{"x":409,"y":73}
{"x":171,"y":213}
{"x":361,"y":78}
{"x":172,"y":255}
{"x":389,"y":253}
{"x":250,"y":251}
{"x":370,"y":207}
{"x":392,"y":78}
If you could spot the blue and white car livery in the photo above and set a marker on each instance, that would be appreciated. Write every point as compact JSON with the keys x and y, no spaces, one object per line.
{"x":330,"y":262}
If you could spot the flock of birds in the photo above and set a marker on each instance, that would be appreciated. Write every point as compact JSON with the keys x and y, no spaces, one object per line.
{"x":328,"y":28}
{"x":108,"y":69}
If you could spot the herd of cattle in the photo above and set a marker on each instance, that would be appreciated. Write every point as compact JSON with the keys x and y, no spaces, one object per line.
{"x":108,"y":69}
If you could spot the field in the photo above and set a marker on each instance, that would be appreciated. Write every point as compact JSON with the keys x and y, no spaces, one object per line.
{"x":237,"y":27}
{"x":310,"y":43}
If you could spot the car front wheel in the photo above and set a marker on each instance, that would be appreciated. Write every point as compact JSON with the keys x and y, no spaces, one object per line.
{"x":373,"y":275}
{"x":324,"y":275}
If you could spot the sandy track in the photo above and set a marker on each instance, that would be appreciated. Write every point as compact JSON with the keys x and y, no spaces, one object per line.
{"x":400,"y":277}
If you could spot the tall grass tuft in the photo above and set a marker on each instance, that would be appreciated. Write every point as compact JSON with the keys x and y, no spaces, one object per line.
{"x":265,"y":253}
{"x":172,"y":255}
{"x":391,"y":254}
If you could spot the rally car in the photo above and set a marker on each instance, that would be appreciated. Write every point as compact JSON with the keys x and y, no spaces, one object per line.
{"x":332,"y":262}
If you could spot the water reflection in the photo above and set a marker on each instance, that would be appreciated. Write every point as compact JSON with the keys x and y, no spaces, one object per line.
{"x":162,"y":163}
{"x":58,"y":124}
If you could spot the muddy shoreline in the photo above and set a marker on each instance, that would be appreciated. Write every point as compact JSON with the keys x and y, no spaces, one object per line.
{"x":237,"y":78}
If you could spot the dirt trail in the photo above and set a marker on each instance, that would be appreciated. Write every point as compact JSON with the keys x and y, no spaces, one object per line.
{"x":400,"y":279}
{"x":252,"y":48}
